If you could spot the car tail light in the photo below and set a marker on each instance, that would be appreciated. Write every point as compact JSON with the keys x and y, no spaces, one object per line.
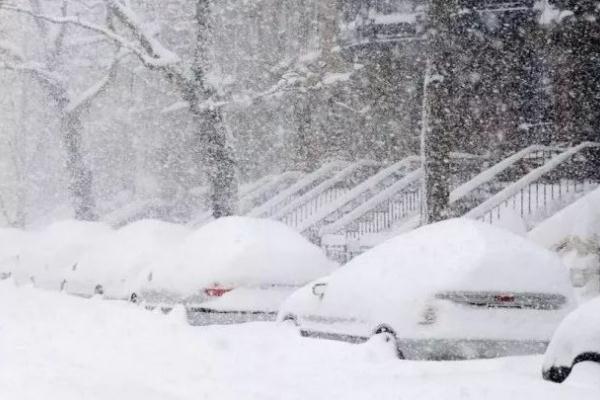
{"x":216,"y":291}
{"x":504,"y":298}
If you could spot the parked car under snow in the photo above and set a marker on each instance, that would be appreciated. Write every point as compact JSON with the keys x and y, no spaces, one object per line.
{"x":576,"y":340}
{"x":458,"y":289}
{"x":52,"y":253}
{"x":111,"y":266}
{"x":233,"y":269}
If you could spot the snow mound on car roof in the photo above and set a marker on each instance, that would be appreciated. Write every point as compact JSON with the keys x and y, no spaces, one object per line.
{"x":464,"y":254}
{"x":52,"y":252}
{"x":116,"y":261}
{"x":238,"y":251}
{"x":400,"y":275}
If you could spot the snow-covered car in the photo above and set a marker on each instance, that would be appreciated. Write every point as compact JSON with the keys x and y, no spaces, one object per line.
{"x":452,"y":290}
{"x":576,"y":340}
{"x":111,"y":266}
{"x":233,"y":269}
{"x":53,"y":252}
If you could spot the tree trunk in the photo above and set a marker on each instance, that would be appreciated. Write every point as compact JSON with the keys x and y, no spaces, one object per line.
{"x":219,"y":160}
{"x":216,"y":153}
{"x":440,"y":119}
{"x":80,"y":177}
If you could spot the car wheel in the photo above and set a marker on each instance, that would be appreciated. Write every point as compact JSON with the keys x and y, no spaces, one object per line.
{"x":389,"y":336}
{"x":559,"y":373}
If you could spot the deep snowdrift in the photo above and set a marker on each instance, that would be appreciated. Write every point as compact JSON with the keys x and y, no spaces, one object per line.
{"x":581,"y":219}
{"x":575,"y":233}
{"x":58,"y":347}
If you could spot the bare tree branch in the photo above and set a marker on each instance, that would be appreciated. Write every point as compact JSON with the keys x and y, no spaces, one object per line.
{"x":151,"y":62}
{"x":87,"y":96}
{"x":43,"y":76}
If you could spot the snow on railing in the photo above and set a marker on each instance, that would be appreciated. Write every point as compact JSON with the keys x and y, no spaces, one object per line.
{"x":410,"y":202}
{"x":248,"y":188}
{"x":394,"y":204}
{"x":308,"y":182}
{"x":489,"y":174}
{"x":254,"y":193}
{"x":529,"y":194}
{"x":358,"y":194}
{"x":133,"y":211}
{"x":274,"y":187}
{"x":323,"y":194}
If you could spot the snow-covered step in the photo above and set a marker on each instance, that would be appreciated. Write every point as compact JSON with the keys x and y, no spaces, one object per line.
{"x":358,"y":195}
{"x":302,"y":186}
{"x":396,"y":201}
{"x":540,"y":190}
{"x":496,"y":178}
{"x":327,"y":192}
{"x":254,"y":194}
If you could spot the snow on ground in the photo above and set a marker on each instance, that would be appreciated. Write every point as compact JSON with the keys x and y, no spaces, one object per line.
{"x":57,"y":347}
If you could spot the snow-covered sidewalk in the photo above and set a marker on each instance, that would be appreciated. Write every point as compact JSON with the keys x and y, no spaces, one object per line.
{"x":58,"y":347}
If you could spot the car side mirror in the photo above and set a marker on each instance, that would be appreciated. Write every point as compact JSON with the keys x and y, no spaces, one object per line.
{"x":318,"y":290}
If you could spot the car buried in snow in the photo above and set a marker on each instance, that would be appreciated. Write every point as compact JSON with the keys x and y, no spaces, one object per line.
{"x":576,"y":341}
{"x":234,"y":269}
{"x":458,"y":289}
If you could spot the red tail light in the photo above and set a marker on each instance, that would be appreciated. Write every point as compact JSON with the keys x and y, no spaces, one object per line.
{"x":504,"y":298}
{"x":216,"y":291}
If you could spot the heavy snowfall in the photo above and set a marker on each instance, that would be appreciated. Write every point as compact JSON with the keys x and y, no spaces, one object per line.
{"x":299,"y":199}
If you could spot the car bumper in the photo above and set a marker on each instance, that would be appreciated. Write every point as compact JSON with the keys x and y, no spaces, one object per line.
{"x":200,"y":316}
{"x":445,"y":349}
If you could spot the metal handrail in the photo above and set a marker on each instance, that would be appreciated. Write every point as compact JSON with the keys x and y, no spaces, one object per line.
{"x":522,"y":190}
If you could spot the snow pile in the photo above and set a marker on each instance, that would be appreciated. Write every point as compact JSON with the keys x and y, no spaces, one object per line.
{"x":116,"y":261}
{"x":512,"y":221}
{"x":54,"y":251}
{"x":12,"y":242}
{"x":237,"y":251}
{"x":575,"y":233}
{"x":54,"y":346}
{"x":581,"y":219}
